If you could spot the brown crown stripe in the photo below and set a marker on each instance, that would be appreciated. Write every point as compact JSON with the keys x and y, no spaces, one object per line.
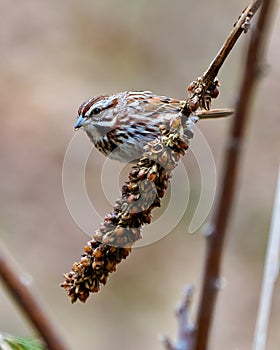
{"x":89,"y":103}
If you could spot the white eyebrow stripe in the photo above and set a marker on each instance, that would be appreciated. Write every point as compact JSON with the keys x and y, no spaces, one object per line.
{"x":98,"y":104}
{"x":102,"y":104}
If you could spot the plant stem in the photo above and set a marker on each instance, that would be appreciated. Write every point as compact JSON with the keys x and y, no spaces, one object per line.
{"x":217,"y":232}
{"x":270,"y":274}
{"x":29,"y":305}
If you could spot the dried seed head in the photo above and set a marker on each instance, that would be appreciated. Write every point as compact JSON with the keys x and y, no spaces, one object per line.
{"x":112,"y":242}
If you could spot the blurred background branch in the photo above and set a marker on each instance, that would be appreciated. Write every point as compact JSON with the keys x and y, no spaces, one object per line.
{"x":271,"y":273}
{"x":218,"y":228}
{"x":30,"y":306}
{"x":186,"y":329}
{"x":204,"y":83}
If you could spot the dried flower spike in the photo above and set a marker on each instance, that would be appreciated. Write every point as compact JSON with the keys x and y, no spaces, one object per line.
{"x":146,"y":185}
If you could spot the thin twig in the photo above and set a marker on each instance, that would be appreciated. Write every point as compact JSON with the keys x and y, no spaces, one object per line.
{"x":270,"y":274}
{"x":186,"y":329}
{"x":29,"y":305}
{"x":240,"y":26}
{"x":201,"y":86}
{"x":217,"y":232}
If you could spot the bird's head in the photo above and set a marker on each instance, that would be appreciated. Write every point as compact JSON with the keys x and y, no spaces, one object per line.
{"x":97,"y":113}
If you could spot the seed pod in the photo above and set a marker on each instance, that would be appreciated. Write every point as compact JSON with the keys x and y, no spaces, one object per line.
{"x":88,"y":249}
{"x":152,"y":177}
{"x":194,"y":104}
{"x":97,"y":254}
{"x":215,"y":93}
{"x":85,"y":261}
{"x":142,"y":173}
{"x":192,"y":85}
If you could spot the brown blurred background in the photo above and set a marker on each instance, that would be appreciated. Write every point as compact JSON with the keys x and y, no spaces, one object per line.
{"x":56,"y":54}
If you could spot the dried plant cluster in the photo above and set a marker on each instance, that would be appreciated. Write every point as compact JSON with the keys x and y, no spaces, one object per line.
{"x":146,"y":185}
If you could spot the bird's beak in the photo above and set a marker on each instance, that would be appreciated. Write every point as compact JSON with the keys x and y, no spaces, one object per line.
{"x":80,"y":122}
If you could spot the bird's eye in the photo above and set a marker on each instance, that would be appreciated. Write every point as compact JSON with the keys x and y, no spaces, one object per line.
{"x":96,"y":110}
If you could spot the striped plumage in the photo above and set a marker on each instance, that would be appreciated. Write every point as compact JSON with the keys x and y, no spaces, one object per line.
{"x":120,"y":125}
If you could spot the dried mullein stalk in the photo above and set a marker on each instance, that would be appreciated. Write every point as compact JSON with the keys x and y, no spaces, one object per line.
{"x":146,"y":185}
